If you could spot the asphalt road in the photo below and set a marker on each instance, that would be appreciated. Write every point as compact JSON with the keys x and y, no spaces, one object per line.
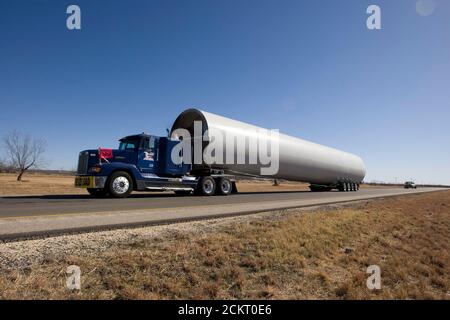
{"x":34,"y":215}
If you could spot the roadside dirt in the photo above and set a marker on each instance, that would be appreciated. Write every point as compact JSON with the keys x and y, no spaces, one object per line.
{"x":291,"y":254}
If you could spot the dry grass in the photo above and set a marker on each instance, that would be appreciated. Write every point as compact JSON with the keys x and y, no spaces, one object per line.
{"x":292,"y":255}
{"x":38,"y":184}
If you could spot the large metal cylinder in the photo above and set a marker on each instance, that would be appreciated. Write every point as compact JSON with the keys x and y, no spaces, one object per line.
{"x":299,"y":160}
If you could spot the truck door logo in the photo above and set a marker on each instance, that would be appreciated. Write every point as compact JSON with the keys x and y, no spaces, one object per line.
{"x":148,"y":156}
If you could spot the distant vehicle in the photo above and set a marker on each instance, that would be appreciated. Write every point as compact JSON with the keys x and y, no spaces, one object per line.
{"x":410,"y":185}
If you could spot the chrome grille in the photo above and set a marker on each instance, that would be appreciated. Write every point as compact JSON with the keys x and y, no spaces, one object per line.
{"x":83,"y":163}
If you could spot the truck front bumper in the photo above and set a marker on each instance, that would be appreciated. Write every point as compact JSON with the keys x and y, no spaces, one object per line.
{"x":96,"y":182}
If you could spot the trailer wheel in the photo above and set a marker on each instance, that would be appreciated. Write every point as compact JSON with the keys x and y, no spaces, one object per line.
{"x":120,"y":184}
{"x":206,"y":186}
{"x":224,"y":186}
{"x":97,"y":192}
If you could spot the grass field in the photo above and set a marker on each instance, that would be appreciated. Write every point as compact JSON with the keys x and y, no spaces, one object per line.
{"x":38,"y":184}
{"x":295,"y":254}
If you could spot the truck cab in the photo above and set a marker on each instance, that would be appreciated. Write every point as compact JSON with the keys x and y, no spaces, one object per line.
{"x":150,"y":154}
{"x":143,"y":162}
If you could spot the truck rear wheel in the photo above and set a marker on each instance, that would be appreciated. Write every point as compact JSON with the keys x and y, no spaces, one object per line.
{"x":97,"y":192}
{"x":206,"y":186}
{"x":120,"y":184}
{"x":224,"y":186}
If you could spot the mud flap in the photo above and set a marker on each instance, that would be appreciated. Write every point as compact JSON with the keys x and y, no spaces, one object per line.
{"x":234,"y":188}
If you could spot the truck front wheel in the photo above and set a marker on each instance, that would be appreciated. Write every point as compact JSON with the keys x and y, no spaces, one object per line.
{"x":120,"y":184}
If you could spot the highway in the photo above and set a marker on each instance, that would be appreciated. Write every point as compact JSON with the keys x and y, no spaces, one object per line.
{"x":27,"y":216}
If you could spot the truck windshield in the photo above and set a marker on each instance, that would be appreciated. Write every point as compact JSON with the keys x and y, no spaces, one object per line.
{"x":128,"y":144}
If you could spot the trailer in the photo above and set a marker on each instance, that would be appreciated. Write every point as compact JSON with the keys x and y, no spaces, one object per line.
{"x":145,"y":162}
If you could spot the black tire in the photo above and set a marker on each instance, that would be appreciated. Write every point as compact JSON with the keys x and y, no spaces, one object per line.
{"x":183,"y":192}
{"x":97,"y":192}
{"x":120,"y":184}
{"x":224,"y":186}
{"x":206,"y":186}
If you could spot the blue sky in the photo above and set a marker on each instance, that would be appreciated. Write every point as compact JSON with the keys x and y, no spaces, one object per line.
{"x":309,"y":68}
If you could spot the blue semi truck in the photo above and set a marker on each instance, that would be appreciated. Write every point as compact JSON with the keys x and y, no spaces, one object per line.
{"x":150,"y":163}
{"x":143,"y":163}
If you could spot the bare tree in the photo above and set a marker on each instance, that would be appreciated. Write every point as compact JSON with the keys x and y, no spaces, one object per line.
{"x":23,"y":152}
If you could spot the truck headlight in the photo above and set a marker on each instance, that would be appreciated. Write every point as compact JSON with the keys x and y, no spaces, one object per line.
{"x":95,"y":169}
